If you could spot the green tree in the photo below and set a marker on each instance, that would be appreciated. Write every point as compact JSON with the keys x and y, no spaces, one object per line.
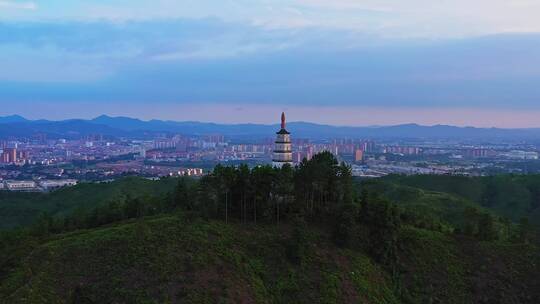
{"x":525,"y":231}
{"x":261,"y":186}
{"x":243,"y":186}
{"x":182,"y":195}
{"x":344,"y":225}
{"x":297,"y":244}
{"x":486,"y":228}
{"x":382,"y":221}
{"x":283,"y":190}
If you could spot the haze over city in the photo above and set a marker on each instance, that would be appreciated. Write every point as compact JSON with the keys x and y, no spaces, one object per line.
{"x":336,"y":62}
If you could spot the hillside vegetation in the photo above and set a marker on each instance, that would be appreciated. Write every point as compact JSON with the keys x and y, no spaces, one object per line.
{"x":511,"y":196}
{"x":267,"y":235}
{"x":21,"y":209}
{"x":170,"y":259}
{"x":167,"y":259}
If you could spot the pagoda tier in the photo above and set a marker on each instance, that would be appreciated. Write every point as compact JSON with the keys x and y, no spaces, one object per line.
{"x":283,"y":146}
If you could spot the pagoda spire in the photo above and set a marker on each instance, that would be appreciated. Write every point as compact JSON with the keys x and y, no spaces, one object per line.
{"x":283,"y":124}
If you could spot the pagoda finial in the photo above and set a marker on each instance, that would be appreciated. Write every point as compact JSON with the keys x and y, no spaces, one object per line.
{"x":283,"y":120}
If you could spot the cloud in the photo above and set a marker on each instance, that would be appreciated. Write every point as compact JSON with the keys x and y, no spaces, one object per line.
{"x":493,"y":72}
{"x":171,"y":39}
{"x":99,"y":48}
{"x":384,"y":18}
{"x":18,"y":5}
{"x":211,"y":60}
{"x":431,"y":19}
{"x":346,"y":53}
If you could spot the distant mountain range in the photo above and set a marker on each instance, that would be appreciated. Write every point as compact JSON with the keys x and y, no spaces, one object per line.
{"x":18,"y":126}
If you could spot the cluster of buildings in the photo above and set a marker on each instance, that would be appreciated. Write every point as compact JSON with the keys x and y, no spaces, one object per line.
{"x":403,"y":150}
{"x":11,"y":155}
{"x":523,"y":155}
{"x":95,"y":158}
{"x":371,"y":160}
{"x":41,"y":185}
{"x":138,"y":167}
{"x":288,"y":151}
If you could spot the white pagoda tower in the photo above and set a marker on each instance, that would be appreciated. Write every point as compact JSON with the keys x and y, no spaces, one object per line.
{"x":283,"y":146}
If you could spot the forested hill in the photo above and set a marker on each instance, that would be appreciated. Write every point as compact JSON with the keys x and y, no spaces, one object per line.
{"x":264,"y":235}
{"x":515,"y":197}
{"x":22,"y":209}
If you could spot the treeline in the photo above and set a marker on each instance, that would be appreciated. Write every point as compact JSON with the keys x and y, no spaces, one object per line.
{"x":316,"y":192}
{"x":316,"y":189}
{"x":319,"y":192}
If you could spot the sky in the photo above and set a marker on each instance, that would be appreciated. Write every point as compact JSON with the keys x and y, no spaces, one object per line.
{"x":341,"y":62}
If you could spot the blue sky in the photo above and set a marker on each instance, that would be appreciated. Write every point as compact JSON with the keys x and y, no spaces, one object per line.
{"x":341,"y":62}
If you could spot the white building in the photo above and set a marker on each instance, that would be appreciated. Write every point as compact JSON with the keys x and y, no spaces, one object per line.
{"x":283,"y":146}
{"x":516,"y":154}
{"x":53,"y":184}
{"x":191,"y":172}
{"x":20,"y":185}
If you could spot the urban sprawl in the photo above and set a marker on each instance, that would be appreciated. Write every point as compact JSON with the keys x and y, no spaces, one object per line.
{"x":42,"y":164}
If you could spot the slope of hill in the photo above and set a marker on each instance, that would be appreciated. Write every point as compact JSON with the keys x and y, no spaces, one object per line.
{"x":439,"y":268}
{"x":21,"y":209}
{"x":167,"y":259}
{"x":510,"y":196}
{"x":56,"y":129}
{"x":12,"y":119}
{"x":449,"y":209}
{"x":170,"y":259}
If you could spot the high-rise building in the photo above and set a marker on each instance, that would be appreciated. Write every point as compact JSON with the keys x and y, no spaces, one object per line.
{"x":368,"y":146}
{"x":4,"y":157}
{"x":9,"y":155}
{"x":297,"y":157}
{"x":23,"y":156}
{"x":215,"y":138}
{"x":283,"y":146}
{"x":309,"y":152}
{"x":358,"y":155}
{"x":402,"y":150}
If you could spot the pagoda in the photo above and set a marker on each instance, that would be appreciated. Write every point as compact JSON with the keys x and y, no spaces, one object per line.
{"x":283,"y":146}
